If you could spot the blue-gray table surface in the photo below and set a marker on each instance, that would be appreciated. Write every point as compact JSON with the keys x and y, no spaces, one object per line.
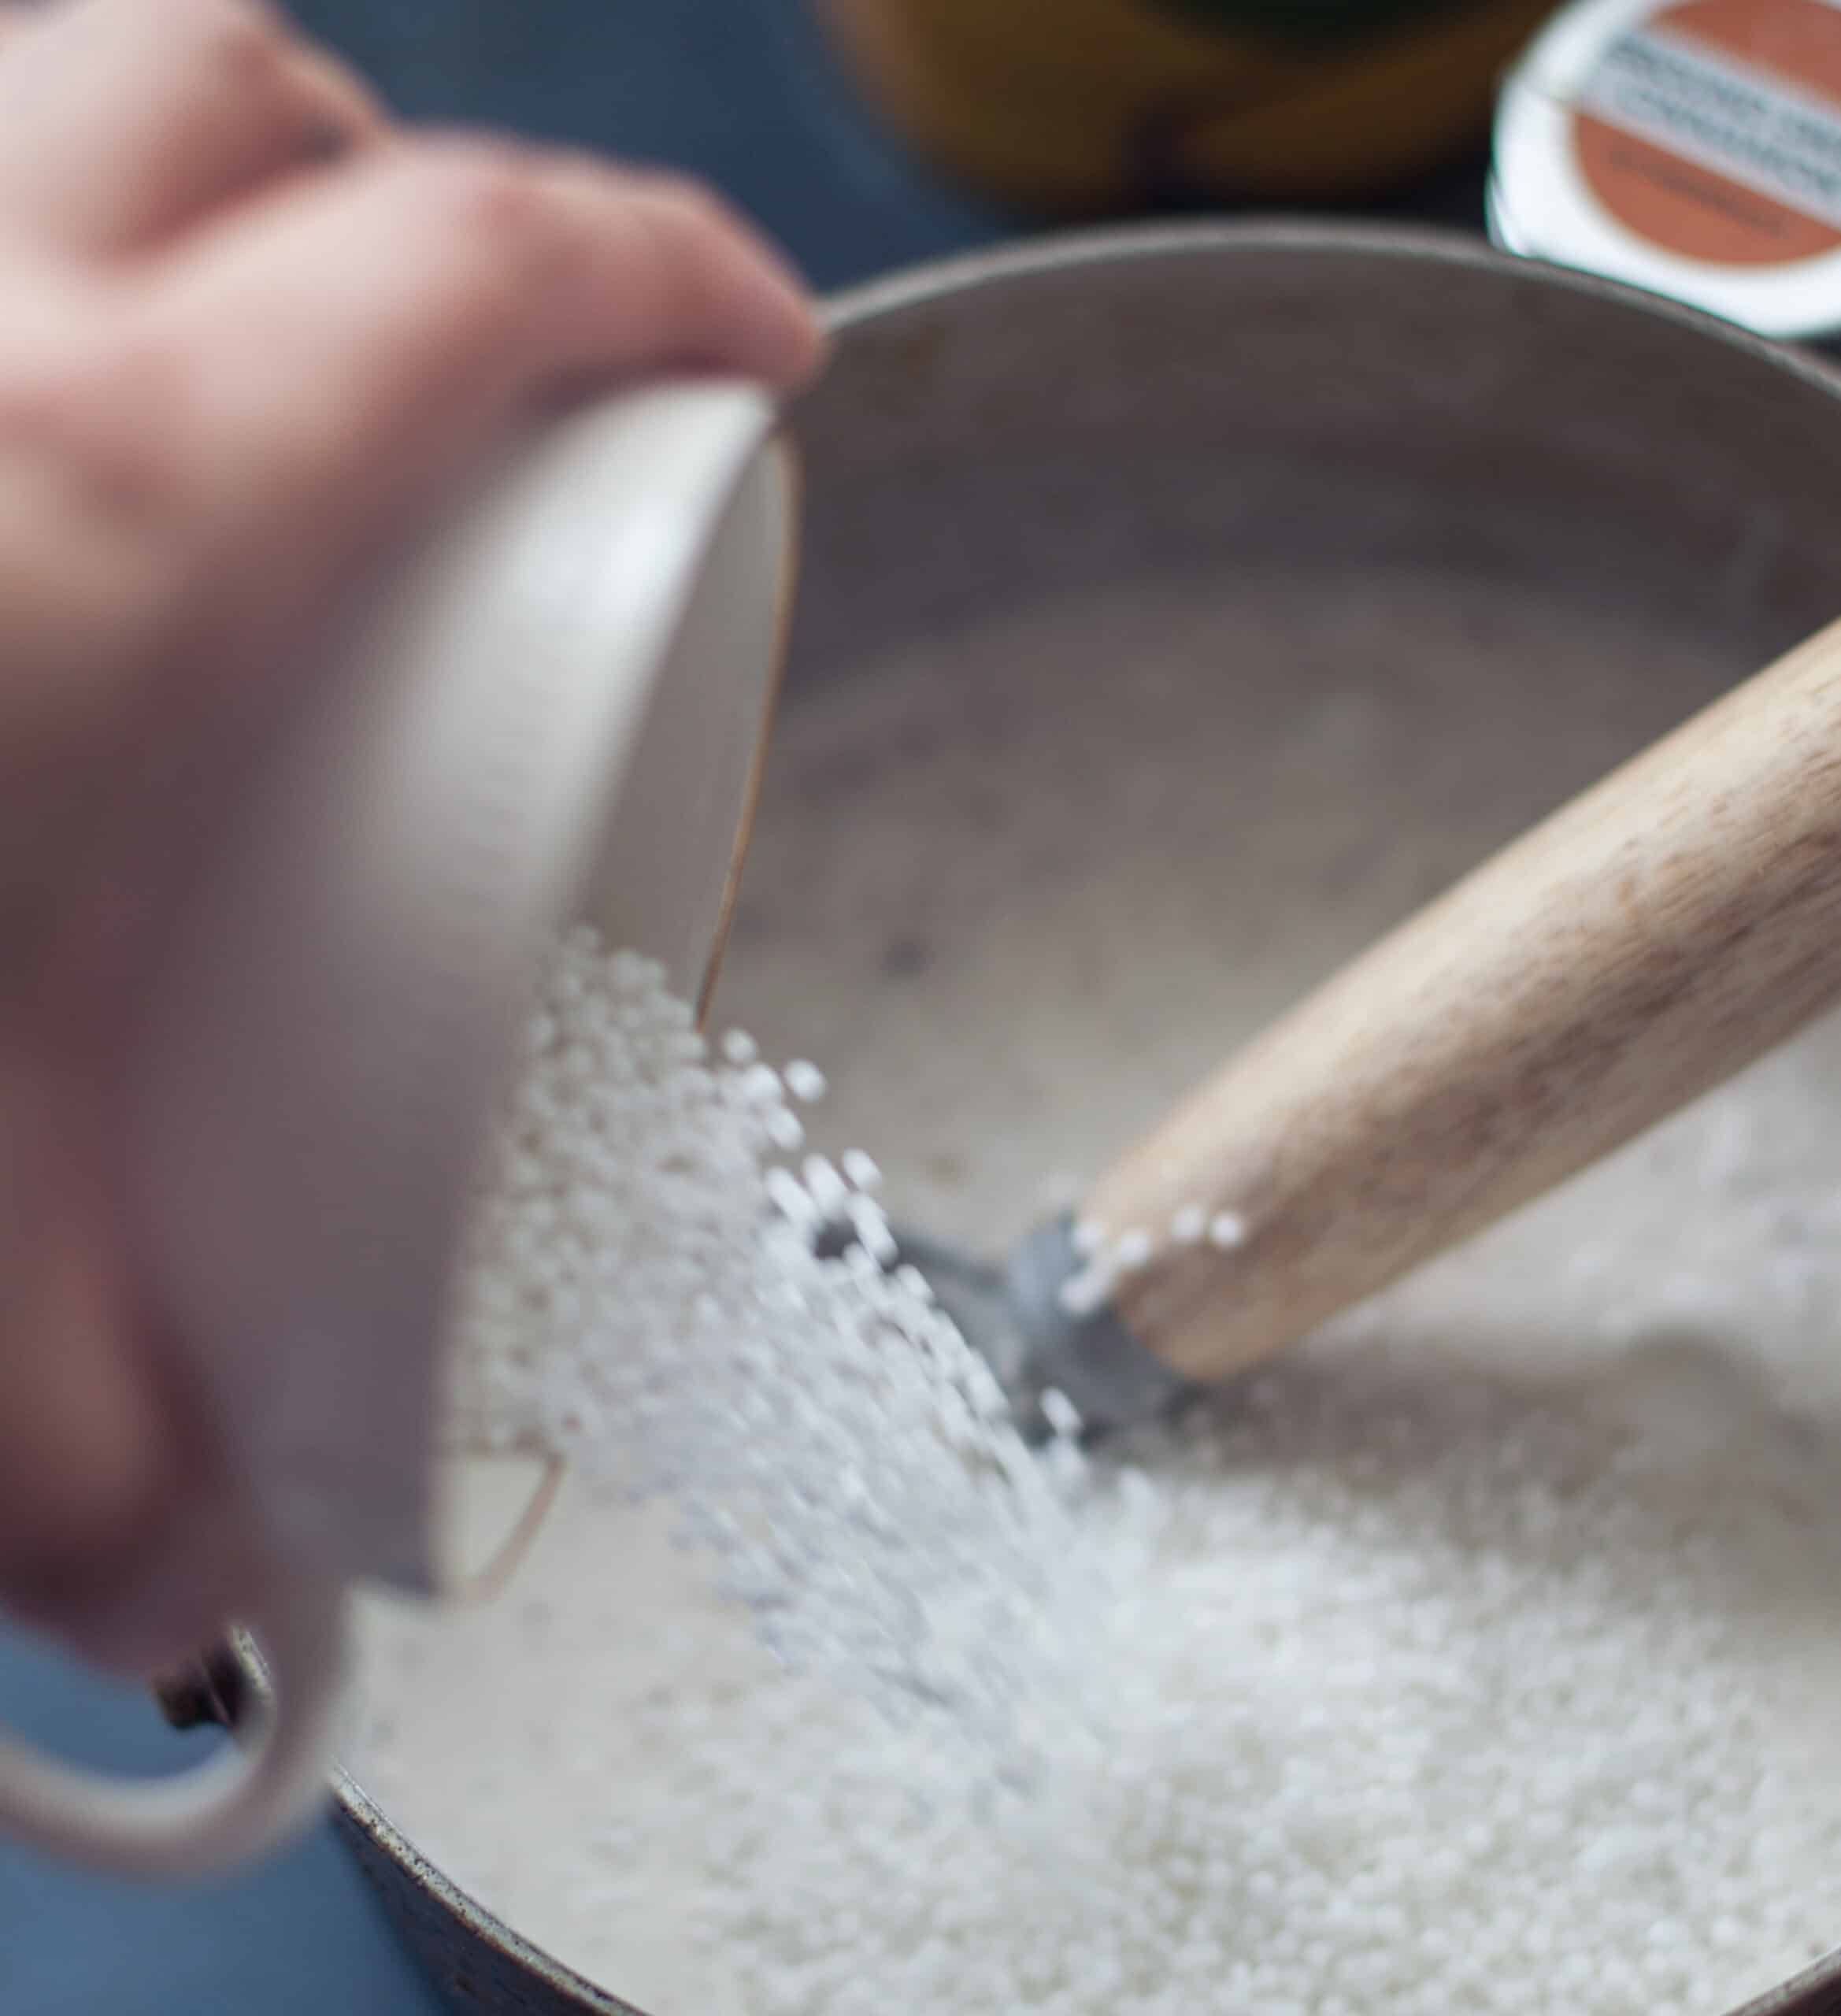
{"x":742,"y":92}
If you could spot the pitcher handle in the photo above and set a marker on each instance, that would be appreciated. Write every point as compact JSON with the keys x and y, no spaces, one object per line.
{"x":246,"y":1798}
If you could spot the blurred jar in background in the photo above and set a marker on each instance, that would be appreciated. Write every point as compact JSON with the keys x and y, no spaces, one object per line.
{"x":1084,"y":106}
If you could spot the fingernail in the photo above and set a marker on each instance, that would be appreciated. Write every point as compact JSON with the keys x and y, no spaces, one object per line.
{"x":790,"y":342}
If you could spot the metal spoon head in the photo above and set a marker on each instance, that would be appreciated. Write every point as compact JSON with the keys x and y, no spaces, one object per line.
{"x":1013,"y":1315}
{"x":1095,"y":1358}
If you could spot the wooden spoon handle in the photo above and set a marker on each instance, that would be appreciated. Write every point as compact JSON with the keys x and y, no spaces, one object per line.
{"x":1645,"y":942}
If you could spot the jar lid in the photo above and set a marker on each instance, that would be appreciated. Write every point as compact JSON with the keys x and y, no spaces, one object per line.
{"x":1692,"y":147}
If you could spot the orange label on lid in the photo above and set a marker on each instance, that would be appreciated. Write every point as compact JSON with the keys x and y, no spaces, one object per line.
{"x":1712,"y":128}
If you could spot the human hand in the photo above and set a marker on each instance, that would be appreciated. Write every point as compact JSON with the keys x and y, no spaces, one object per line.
{"x":251,"y":328}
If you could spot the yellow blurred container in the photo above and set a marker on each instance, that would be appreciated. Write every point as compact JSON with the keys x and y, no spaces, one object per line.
{"x":1085,"y":105}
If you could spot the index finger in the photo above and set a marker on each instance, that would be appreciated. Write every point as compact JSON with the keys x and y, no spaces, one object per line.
{"x":345,"y":340}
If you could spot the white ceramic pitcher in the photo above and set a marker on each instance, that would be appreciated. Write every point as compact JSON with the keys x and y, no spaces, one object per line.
{"x":554,"y":713}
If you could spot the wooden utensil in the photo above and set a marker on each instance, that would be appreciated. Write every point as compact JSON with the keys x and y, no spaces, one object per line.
{"x":1649,"y":940}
